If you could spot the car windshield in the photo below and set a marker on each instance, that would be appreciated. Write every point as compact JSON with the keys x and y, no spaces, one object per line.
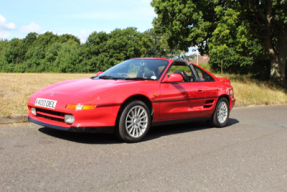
{"x":136,"y":69}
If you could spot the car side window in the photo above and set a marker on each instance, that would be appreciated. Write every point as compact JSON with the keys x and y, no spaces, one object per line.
{"x":203,"y":76}
{"x":184,"y":70}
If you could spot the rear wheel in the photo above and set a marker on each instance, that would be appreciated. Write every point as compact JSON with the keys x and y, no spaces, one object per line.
{"x":134,"y":122}
{"x":221,"y":113}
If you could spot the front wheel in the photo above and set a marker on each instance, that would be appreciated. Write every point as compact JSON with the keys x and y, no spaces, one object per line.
{"x":134,"y":122}
{"x":221,"y":113}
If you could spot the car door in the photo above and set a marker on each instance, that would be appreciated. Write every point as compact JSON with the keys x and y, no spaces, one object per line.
{"x":210,"y":89}
{"x":181,"y":100}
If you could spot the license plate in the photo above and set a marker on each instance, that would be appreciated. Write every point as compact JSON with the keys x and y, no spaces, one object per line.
{"x":46,"y":103}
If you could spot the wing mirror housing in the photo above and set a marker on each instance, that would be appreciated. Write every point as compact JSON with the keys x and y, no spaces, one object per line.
{"x":98,"y":73}
{"x":173,"y":78}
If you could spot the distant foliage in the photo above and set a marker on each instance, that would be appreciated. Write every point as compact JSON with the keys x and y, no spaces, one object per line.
{"x":50,"y":52}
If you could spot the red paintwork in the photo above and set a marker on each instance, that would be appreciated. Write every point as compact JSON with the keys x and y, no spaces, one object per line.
{"x":174,"y":77}
{"x":170,"y":101}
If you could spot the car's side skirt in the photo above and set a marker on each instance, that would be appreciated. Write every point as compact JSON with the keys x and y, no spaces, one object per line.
{"x":178,"y":121}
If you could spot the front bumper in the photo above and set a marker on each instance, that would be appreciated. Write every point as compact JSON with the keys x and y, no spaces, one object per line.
{"x":232,"y":103}
{"x":75,"y":129}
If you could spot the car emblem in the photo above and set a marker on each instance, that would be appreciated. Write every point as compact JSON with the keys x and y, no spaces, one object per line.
{"x":51,"y":94}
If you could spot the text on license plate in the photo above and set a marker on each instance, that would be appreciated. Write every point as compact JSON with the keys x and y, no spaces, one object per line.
{"x":46,"y":103}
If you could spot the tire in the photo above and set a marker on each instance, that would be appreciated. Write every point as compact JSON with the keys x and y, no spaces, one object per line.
{"x":134,"y":122}
{"x":221,"y":113}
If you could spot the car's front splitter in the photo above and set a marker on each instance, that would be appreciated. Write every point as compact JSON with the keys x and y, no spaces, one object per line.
{"x":75,"y":129}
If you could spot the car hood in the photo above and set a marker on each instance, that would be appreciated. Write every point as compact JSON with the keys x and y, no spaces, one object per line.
{"x":83,"y":86}
{"x":90,"y":91}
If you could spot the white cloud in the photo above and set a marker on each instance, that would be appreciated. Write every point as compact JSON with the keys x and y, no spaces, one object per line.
{"x":83,"y":35}
{"x":6,"y":26}
{"x":4,"y":34}
{"x":32,"y":27}
{"x":140,"y":14}
{"x":62,"y":33}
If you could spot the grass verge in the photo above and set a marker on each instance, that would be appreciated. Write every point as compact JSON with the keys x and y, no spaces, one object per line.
{"x":250,"y":91}
{"x":15,"y":89}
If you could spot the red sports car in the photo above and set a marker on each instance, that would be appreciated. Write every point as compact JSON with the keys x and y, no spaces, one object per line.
{"x":132,"y":96}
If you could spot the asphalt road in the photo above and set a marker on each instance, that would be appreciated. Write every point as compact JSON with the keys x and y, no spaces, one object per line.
{"x":250,"y":154}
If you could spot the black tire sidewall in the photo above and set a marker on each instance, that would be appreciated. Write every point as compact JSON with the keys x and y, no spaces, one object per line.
{"x":121,"y":130}
{"x":215,"y":120}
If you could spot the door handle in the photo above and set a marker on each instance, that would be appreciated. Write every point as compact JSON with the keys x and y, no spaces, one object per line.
{"x":200,"y":90}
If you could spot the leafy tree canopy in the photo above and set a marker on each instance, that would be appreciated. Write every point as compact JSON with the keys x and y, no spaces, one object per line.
{"x":50,"y":52}
{"x":239,"y":31}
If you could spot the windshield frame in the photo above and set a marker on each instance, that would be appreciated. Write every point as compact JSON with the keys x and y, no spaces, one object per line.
{"x":149,"y":69}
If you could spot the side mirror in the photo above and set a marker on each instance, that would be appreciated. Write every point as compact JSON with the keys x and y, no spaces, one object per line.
{"x":173,"y":78}
{"x":98,"y":73}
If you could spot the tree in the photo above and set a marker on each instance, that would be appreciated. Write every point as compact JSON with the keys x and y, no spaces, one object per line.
{"x":34,"y":59}
{"x":68,"y":38}
{"x":106,"y":50}
{"x":188,"y":22}
{"x":68,"y":58}
{"x":30,"y":38}
{"x":233,"y":44}
{"x":9,"y":56}
{"x":45,"y":40}
{"x":158,"y":46}
{"x":268,"y":22}
{"x":50,"y":57}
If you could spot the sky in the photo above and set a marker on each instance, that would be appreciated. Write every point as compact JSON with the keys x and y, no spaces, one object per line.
{"x":77,"y":17}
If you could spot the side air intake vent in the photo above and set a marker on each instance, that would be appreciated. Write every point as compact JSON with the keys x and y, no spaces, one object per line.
{"x":208,"y":103}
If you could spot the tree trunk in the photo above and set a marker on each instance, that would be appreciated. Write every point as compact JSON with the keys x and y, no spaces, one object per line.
{"x":282,"y":54}
{"x":278,"y":61}
{"x":277,"y":56}
{"x":278,"y":64}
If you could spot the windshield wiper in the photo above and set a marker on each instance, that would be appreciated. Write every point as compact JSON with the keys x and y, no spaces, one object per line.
{"x":110,"y":77}
{"x":105,"y":77}
{"x":138,"y":78}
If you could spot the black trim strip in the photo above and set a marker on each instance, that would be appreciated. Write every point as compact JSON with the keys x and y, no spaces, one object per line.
{"x":178,"y":121}
{"x":108,"y":105}
{"x":177,"y":100}
{"x":76,"y":129}
{"x":48,"y":125}
{"x":93,"y":129}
